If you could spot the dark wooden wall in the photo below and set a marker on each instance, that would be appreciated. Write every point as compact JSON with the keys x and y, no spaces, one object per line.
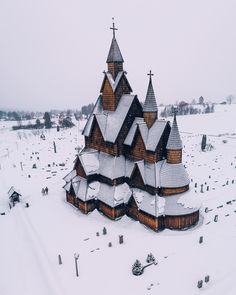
{"x":181,"y":222}
{"x":79,"y":168}
{"x":150,"y":118}
{"x":174,"y":156}
{"x":165,"y":191}
{"x":114,"y":68}
{"x":96,"y":141}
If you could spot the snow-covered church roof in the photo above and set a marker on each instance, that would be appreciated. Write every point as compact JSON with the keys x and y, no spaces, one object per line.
{"x":109,"y":122}
{"x":151,"y":136}
{"x":112,"y":167}
{"x":174,"y":141}
{"x":173,"y":175}
{"x":114,"y":54}
{"x":150,"y":104}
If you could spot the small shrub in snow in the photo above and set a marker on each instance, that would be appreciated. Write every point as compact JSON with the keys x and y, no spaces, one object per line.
{"x":137,"y":268}
{"x":150,"y":258}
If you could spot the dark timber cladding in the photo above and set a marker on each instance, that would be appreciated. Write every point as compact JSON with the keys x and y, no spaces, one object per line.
{"x":132,"y":161}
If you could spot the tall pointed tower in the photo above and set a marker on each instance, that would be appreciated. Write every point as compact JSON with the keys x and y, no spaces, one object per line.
{"x":115,"y":83}
{"x":114,"y":58}
{"x":174,"y":144}
{"x":150,"y":105}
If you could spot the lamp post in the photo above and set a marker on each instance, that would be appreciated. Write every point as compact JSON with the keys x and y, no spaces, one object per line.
{"x":76,"y":256}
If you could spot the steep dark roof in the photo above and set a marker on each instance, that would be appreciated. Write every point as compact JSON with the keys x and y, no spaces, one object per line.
{"x":150,"y":104}
{"x":114,"y":54}
{"x":174,"y":141}
{"x":110,"y":123}
{"x":151,"y":136}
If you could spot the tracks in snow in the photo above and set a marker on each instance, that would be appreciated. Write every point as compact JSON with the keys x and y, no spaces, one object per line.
{"x":41,"y":276}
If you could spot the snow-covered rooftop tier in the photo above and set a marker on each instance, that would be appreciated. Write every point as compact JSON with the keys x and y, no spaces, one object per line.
{"x":173,"y":175}
{"x":159,"y":174}
{"x":174,"y":141}
{"x":114,"y":54}
{"x":151,"y":204}
{"x":150,"y":172}
{"x":151,"y":136}
{"x":95,"y":162}
{"x":150,"y":104}
{"x":90,"y":161}
{"x":114,"y":195}
{"x":83,"y":190}
{"x":181,"y":204}
{"x":110,"y":123}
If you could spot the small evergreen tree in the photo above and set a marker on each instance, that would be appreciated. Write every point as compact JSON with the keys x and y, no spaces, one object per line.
{"x":137,"y":268}
{"x":150,"y":258}
{"x":47,"y":120}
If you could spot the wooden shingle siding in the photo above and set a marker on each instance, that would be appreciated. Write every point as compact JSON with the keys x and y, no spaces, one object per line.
{"x":150,"y":118}
{"x":149,"y":220}
{"x":181,"y":222}
{"x":108,"y":97}
{"x":70,"y":198}
{"x":174,"y":156}
{"x":96,"y":141}
{"x":112,"y":213}
{"x":114,"y":68}
{"x":132,"y":209}
{"x":79,"y":168}
{"x":173,"y":191}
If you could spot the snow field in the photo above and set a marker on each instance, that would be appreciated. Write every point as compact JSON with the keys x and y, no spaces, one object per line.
{"x":33,"y":237}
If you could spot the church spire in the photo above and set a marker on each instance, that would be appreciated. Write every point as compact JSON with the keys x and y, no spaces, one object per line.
{"x":174,"y":143}
{"x":114,"y":58}
{"x":150,"y":105}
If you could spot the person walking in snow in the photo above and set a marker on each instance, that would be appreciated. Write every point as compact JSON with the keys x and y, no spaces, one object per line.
{"x":43,"y":191}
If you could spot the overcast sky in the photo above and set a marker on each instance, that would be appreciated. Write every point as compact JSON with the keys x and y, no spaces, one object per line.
{"x":53,"y":52}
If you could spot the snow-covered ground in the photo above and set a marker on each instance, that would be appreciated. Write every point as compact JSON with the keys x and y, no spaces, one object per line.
{"x":32,"y":238}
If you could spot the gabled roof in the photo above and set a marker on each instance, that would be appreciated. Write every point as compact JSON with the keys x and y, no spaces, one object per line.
{"x":114,"y":54}
{"x":150,"y":104}
{"x":150,"y":137}
{"x":150,"y":172}
{"x":174,"y":141}
{"x":110,"y":123}
{"x":115,"y":83}
{"x":12,"y":191}
{"x":90,"y":161}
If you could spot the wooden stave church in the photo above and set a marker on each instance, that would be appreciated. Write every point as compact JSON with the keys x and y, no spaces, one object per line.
{"x":132,"y":162}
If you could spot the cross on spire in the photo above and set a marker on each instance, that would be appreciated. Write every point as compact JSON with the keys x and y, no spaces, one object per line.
{"x":113,"y":28}
{"x":150,"y":74}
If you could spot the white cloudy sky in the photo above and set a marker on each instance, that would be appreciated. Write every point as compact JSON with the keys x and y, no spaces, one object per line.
{"x":53,"y":52}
